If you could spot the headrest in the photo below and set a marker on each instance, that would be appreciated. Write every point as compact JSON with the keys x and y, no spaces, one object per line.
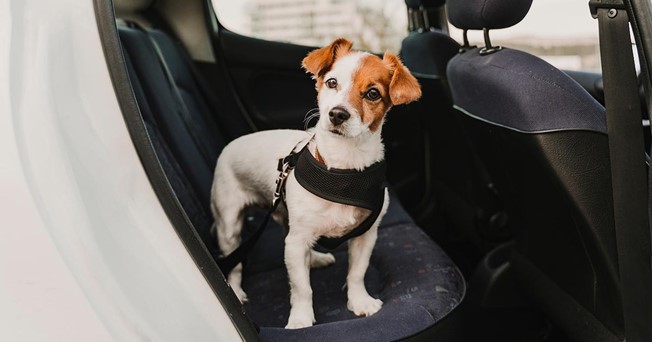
{"x":490,"y":14}
{"x":131,"y":6}
{"x":416,"y":4}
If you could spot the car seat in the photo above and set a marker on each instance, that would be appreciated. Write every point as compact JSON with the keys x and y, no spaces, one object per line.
{"x":543,"y":139}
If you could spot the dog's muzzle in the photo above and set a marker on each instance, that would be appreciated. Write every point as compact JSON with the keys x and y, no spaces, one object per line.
{"x":338,"y":115}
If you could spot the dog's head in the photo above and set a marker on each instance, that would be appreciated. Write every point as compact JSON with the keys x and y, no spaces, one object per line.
{"x":356,"y":89}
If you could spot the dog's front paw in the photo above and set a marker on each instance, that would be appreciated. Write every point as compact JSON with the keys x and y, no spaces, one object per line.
{"x":298,"y":324}
{"x":318,"y":259}
{"x":300,"y":318}
{"x":364,"y":305}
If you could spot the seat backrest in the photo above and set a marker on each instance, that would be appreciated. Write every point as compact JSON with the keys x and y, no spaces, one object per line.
{"x":426,"y":50}
{"x":543,"y":139}
{"x":166,"y":111}
{"x":175,"y":139}
{"x":193,"y":121}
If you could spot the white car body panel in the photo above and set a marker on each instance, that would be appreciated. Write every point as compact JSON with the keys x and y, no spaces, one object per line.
{"x":86,"y":251}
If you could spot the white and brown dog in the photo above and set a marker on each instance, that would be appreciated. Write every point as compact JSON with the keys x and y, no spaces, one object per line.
{"x":355,"y":91}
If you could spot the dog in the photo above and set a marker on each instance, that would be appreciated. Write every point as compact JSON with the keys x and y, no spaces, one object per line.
{"x":355,"y":91}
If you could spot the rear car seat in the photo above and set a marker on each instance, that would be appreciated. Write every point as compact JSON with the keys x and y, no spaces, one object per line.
{"x":417,"y":281}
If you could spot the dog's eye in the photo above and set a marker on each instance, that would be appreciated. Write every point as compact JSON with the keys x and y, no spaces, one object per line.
{"x":373,"y":94}
{"x":331,"y":83}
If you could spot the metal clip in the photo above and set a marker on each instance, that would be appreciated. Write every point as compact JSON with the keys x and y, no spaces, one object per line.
{"x":280,"y":182}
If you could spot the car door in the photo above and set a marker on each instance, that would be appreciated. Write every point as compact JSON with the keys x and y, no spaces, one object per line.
{"x":267,"y":78}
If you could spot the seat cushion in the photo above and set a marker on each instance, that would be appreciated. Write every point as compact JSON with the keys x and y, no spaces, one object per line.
{"x":418,"y":283}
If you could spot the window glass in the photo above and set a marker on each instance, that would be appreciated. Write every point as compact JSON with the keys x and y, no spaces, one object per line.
{"x":562,"y":32}
{"x":373,"y":25}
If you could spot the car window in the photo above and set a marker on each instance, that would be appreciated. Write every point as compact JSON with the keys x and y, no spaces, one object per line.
{"x":562,"y":32}
{"x":373,"y":25}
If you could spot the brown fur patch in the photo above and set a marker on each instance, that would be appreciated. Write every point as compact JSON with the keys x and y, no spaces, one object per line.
{"x":404,"y":88}
{"x":319,"y":62}
{"x":372,"y":73}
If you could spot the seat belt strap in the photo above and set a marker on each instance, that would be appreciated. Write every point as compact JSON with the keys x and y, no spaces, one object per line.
{"x":628,"y":173}
{"x":229,"y":262}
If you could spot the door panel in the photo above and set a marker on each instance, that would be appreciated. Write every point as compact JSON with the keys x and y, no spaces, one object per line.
{"x":274,"y":89}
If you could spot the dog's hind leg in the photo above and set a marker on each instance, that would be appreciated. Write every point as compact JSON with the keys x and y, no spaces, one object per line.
{"x":319,"y":259}
{"x":228,"y":237}
{"x":227,"y":211}
{"x":229,"y":227}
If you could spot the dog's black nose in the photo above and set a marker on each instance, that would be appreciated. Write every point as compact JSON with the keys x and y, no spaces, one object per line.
{"x":338,"y":115}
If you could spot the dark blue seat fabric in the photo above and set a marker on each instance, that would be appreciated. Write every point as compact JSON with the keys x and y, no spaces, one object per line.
{"x":513,"y":89}
{"x":417,"y":280}
{"x":167,"y":113}
{"x":195,"y":209}
{"x":489,"y":14}
{"x":192,"y":96}
{"x":428,"y":52}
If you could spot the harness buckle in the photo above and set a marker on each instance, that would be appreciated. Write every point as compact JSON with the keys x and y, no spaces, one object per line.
{"x":284,"y":169}
{"x":285,"y":166}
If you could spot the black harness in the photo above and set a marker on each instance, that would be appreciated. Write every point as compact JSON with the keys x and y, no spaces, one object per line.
{"x":364,"y":189}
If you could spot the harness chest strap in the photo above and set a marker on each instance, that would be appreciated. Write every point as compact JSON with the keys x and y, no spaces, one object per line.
{"x":363,"y":189}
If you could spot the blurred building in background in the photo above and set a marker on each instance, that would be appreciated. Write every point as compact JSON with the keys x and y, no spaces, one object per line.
{"x":371,"y":25}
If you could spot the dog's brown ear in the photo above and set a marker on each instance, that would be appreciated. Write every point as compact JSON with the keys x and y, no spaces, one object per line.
{"x":319,"y":61}
{"x":403,"y":88}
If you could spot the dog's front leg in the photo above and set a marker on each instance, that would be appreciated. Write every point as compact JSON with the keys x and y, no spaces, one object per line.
{"x":360,"y":302}
{"x":360,"y":248}
{"x":297,"y":261}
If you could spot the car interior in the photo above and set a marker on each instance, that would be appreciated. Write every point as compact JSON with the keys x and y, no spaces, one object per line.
{"x":500,"y":225}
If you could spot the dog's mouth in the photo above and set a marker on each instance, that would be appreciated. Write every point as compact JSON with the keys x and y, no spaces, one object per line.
{"x":336,"y":132}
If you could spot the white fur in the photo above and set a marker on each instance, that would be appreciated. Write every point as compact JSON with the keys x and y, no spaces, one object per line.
{"x":246,"y":173}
